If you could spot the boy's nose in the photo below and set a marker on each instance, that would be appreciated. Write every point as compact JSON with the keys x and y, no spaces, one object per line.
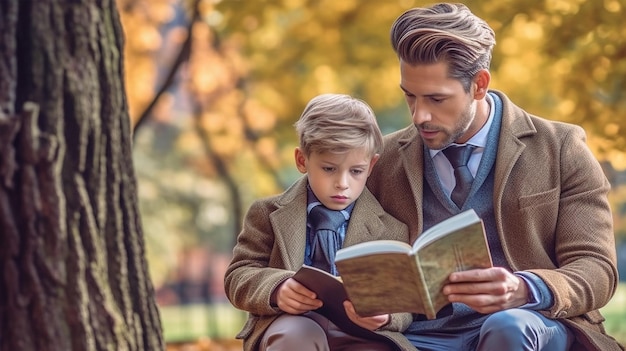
{"x":342,"y":182}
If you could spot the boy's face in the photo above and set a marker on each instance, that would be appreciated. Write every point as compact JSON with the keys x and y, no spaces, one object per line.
{"x":336,"y":179}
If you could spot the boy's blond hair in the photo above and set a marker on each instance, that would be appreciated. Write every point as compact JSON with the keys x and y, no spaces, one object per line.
{"x":338,"y":123}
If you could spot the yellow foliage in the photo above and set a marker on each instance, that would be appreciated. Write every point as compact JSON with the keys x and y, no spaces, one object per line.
{"x":562,"y":67}
{"x":258,"y":117}
{"x":565,"y":107}
{"x":212,"y":122}
{"x":325,"y":79}
{"x":618,"y":159}
{"x":140,"y":21}
{"x":611,"y":129}
{"x":254,"y":65}
{"x":564,"y":6}
{"x":225,"y":145}
{"x":613,"y":6}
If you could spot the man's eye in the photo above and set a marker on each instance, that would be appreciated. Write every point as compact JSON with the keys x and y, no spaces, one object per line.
{"x":437,"y":100}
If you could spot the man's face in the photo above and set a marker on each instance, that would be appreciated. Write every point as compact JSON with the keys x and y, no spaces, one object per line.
{"x":441,"y":109}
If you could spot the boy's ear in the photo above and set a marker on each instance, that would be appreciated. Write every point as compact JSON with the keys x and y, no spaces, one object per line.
{"x":300,"y":160}
{"x":372,"y":163}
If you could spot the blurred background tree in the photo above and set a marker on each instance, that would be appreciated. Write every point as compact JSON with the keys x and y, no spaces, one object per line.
{"x":215,"y":86}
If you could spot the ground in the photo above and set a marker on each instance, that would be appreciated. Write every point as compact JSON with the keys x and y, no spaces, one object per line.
{"x":207,"y":345}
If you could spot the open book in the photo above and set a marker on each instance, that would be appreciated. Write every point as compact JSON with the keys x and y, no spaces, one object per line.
{"x":386,"y":276}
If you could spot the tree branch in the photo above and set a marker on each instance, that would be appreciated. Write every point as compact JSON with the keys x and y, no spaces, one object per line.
{"x":182,"y":57}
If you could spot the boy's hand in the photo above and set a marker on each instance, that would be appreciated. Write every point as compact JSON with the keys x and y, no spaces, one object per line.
{"x":371,"y":323}
{"x":292,"y":297}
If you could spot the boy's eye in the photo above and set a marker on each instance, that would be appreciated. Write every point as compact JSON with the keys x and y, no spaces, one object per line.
{"x":328,"y":169}
{"x":357,"y":171}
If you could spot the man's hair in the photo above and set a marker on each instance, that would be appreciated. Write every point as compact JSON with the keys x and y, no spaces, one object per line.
{"x":338,"y":123}
{"x":448,"y":33}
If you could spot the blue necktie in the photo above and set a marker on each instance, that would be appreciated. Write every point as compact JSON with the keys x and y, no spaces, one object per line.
{"x":459,"y":155}
{"x":325,"y":242}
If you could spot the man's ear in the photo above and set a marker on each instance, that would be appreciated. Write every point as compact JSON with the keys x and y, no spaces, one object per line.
{"x":372,"y":163}
{"x":480,"y":84}
{"x":300,"y":158}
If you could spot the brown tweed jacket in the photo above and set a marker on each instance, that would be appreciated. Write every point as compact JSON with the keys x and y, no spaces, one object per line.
{"x":270,"y":248}
{"x":551,"y":210}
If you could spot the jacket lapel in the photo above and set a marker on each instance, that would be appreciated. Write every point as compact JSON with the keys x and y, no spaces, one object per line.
{"x":289,"y":224}
{"x":365,"y":220}
{"x":515,"y":125}
{"x":412,"y":154}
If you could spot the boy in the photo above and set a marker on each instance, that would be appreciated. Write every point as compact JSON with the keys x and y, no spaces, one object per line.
{"x":339,"y":144}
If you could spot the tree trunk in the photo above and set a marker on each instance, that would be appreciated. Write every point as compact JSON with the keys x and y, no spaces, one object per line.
{"x":73,"y":274}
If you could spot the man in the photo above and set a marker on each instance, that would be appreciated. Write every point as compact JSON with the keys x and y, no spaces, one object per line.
{"x":539,"y":190}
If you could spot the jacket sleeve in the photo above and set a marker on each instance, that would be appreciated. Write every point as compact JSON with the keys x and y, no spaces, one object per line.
{"x":585,"y":277}
{"x":249,"y":281}
{"x":398,"y":322}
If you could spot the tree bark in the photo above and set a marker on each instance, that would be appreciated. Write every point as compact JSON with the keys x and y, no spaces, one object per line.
{"x":73,"y":274}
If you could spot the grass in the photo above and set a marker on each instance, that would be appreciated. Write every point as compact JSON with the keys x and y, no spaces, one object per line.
{"x":192,"y":322}
{"x":222,"y":322}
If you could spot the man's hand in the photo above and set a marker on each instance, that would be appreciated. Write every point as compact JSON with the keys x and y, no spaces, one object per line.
{"x":371,"y":323}
{"x":292,"y":297}
{"x":487,"y":290}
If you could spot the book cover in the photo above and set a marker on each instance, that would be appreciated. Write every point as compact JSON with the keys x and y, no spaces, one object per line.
{"x":331,"y":291}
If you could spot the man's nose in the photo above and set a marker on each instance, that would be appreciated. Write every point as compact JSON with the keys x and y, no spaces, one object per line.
{"x":420,"y":114}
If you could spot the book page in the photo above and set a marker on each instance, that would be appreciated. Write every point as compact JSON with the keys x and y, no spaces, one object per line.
{"x":369,"y":247}
{"x":382,"y":283}
{"x":445,"y":227}
{"x":464,"y":249}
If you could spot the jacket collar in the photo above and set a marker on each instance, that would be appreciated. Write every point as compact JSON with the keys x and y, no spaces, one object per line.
{"x":289,"y":222}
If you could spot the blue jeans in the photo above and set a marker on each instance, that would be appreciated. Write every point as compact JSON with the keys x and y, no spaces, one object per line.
{"x":514,"y":329}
